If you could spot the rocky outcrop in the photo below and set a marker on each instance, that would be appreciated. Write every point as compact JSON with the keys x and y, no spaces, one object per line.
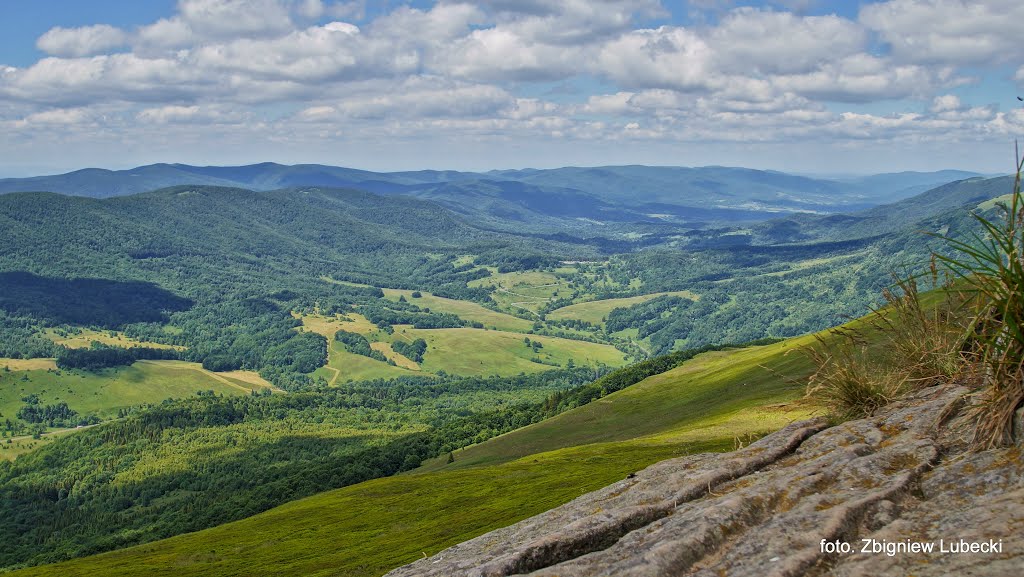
{"x":789,"y":504}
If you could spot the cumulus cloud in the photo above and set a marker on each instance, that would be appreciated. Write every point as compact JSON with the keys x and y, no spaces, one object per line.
{"x":418,"y":98}
{"x":783,"y":43}
{"x":84,"y":41}
{"x":232,"y":18}
{"x":304,"y":68}
{"x":948,"y":31}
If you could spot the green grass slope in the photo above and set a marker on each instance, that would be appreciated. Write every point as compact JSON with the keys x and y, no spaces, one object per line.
{"x":369,"y":528}
{"x":594,"y":312}
{"x":468,"y":352}
{"x":105,"y":392}
{"x":467,"y":310}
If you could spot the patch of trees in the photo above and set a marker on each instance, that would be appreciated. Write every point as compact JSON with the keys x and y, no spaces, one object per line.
{"x":397,"y":313}
{"x":56,"y":415}
{"x":99,"y":356}
{"x":515,"y":259}
{"x":358,"y":344}
{"x":20,"y":338}
{"x":413,"y":351}
{"x":639,"y":314}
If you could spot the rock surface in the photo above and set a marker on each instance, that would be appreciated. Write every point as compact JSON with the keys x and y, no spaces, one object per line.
{"x":904,"y":476}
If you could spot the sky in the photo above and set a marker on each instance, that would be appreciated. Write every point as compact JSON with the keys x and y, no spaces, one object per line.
{"x":807,"y":86}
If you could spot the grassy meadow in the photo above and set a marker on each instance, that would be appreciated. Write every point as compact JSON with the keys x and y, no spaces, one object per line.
{"x":594,"y":312}
{"x":469,"y":352}
{"x":469,"y":311}
{"x":106,"y":392}
{"x":523,"y":290}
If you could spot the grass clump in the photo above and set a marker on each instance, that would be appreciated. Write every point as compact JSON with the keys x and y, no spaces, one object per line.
{"x":992,"y":268}
{"x":914,"y":341}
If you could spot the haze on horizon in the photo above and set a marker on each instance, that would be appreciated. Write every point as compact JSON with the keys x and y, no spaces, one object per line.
{"x":807,"y":86}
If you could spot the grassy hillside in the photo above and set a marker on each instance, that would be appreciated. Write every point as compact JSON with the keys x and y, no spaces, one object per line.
{"x":106,"y":392}
{"x":594,"y":312}
{"x":103,"y":393}
{"x":483,"y":352}
{"x":464,"y":309}
{"x":369,"y":528}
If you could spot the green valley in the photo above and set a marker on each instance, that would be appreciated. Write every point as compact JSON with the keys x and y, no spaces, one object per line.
{"x":309,"y":340}
{"x":707,"y":404}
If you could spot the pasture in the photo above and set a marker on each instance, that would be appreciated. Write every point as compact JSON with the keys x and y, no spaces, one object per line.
{"x":595,"y":312}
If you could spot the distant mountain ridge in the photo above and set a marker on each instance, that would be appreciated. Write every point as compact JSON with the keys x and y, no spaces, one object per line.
{"x":534,"y":198}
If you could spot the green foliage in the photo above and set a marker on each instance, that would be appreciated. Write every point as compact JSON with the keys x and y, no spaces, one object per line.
{"x":57,"y":415}
{"x":639,"y":315}
{"x":401,"y":313}
{"x":511,"y":260}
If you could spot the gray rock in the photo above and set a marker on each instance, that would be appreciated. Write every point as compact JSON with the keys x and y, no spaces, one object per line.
{"x":765,"y":509}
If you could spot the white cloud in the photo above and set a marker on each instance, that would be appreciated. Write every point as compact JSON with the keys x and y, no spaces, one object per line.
{"x":948,"y":32}
{"x":945,"y":103}
{"x":783,"y":43}
{"x":668,"y":57}
{"x":290,"y":70}
{"x":84,"y":41}
{"x":233,"y":18}
{"x":419,"y":97}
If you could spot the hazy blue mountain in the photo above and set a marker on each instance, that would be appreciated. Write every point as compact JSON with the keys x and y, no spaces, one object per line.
{"x":705,"y":187}
{"x":894,"y":186}
{"x":540,"y":198}
{"x":887,"y":218}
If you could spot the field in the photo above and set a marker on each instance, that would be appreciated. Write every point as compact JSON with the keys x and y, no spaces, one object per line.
{"x":366,"y":529}
{"x":594,"y":312}
{"x":104,"y":393}
{"x":467,"y":310}
{"x":327,"y":326}
{"x":483,"y":352}
{"x":523,"y":290}
{"x":85,"y":337}
{"x":28,"y":364}
{"x":464,"y":351}
{"x":345,"y":366}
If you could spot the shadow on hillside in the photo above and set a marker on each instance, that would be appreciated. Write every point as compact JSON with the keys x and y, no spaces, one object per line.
{"x":86,"y":301}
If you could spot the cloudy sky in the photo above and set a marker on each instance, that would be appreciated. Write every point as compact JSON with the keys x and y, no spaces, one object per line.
{"x":812,"y":86}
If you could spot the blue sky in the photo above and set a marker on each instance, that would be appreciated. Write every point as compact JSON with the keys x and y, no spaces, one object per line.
{"x":797,"y":85}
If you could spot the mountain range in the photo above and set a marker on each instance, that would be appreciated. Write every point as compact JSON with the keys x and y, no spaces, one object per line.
{"x":533,"y":198}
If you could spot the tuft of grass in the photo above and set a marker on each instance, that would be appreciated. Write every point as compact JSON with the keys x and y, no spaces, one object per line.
{"x":914,"y":341}
{"x":850,"y":381}
{"x":992,"y":268}
{"x":923,"y":338}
